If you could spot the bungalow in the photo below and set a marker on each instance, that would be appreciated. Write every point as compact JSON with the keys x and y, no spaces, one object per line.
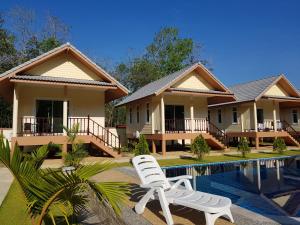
{"x":175,"y":108}
{"x":60,"y":88}
{"x":265,"y":108}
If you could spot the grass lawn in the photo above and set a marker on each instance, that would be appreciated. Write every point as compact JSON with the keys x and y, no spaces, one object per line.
{"x":13,"y":208}
{"x":223,"y":158}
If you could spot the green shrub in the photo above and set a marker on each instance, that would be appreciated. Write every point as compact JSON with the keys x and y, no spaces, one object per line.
{"x":279,"y":145}
{"x":243,"y":147}
{"x":142,"y":148}
{"x":200,"y":147}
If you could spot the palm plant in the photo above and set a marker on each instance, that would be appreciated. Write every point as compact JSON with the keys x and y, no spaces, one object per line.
{"x":53,"y":194}
{"x":78,"y":152}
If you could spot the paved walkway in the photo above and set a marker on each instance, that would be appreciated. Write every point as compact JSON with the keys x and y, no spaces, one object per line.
{"x":6,"y":180}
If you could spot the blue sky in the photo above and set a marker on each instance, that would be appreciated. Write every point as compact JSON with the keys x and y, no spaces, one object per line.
{"x":243,"y":40}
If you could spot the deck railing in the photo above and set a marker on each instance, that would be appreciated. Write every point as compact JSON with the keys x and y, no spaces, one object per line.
{"x":185,"y":125}
{"x":41,"y":126}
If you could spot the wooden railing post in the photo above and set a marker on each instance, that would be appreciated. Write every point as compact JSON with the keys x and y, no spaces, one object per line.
{"x":88,"y":125}
{"x":207,"y":125}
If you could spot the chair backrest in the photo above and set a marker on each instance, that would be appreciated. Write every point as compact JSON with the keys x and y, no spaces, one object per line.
{"x":149,"y":171}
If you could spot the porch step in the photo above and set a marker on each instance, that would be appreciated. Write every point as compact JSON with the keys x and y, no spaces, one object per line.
{"x":214,"y":142}
{"x":101,"y":146}
{"x":291,"y":140}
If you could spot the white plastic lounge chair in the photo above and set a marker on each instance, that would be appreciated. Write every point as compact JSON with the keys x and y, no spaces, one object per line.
{"x":171,"y":191}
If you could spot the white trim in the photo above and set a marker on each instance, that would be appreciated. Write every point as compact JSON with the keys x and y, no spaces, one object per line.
{"x":162,"y":113}
{"x":15,"y":111}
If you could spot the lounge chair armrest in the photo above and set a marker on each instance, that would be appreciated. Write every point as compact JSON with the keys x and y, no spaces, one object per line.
{"x":180,"y":178}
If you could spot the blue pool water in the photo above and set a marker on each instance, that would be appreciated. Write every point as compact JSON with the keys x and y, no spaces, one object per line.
{"x":266,"y":186}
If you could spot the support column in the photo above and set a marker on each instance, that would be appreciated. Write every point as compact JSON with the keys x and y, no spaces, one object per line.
{"x":152,"y":118}
{"x":274,"y":116}
{"x":256,"y":142}
{"x":64,"y":149}
{"x":192,"y":118}
{"x":15,"y":111}
{"x":242,"y":122}
{"x":163,"y":147}
{"x":65,"y":110}
{"x":153,"y":147}
{"x":255,"y":116}
{"x":162,"y":114}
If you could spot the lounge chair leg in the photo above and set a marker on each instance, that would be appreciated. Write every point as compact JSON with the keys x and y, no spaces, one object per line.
{"x":229,"y":215}
{"x":165,"y":206}
{"x":210,"y":218}
{"x":140,"y":206}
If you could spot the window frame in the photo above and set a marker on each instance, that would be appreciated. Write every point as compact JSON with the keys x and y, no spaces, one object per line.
{"x":295,"y":112}
{"x":234,"y":115}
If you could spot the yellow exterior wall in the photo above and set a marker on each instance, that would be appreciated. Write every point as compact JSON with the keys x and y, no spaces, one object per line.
{"x":245,"y":109}
{"x":82,"y":102}
{"x":226,"y":112}
{"x":143,"y":126}
{"x":286,"y":114}
{"x":200,"y":112}
{"x":276,"y":90}
{"x":193,"y":81}
{"x":65,"y":66}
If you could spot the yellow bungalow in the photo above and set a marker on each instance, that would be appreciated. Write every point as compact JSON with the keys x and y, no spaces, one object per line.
{"x":265,"y":108}
{"x":175,"y":108}
{"x":60,"y":88}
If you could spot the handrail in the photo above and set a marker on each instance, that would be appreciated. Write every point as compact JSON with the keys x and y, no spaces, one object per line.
{"x":215,"y":131}
{"x":90,"y":127}
{"x":288,"y":128}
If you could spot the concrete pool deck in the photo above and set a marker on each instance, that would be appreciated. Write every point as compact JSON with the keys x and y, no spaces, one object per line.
{"x":186,"y":216}
{"x":6,"y":180}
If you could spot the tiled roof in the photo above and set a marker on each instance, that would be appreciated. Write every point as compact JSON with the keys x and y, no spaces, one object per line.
{"x":251,"y":90}
{"x":62,"y":80}
{"x":60,"y":48}
{"x":156,"y":86}
{"x":153,"y":87}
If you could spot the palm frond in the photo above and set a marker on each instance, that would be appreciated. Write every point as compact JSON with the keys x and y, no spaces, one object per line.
{"x":113,"y":193}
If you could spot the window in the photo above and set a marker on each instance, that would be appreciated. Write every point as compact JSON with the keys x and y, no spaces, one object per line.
{"x":138,"y":114}
{"x":130,"y":115}
{"x":234,"y":115}
{"x":148,"y":113}
{"x":208,"y":115}
{"x":219,"y":116}
{"x":295,"y":115}
{"x":260,"y":116}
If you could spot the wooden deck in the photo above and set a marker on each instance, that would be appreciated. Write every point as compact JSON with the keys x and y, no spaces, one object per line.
{"x":264,"y":134}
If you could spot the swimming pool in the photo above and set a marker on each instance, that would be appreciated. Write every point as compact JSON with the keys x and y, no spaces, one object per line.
{"x":270,"y":187}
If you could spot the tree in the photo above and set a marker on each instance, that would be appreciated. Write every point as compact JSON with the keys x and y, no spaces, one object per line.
{"x":142,"y":148}
{"x":8,"y":52}
{"x":50,"y":192}
{"x":200,"y":147}
{"x":167,"y":53}
{"x":279,"y":145}
{"x":243,"y":146}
